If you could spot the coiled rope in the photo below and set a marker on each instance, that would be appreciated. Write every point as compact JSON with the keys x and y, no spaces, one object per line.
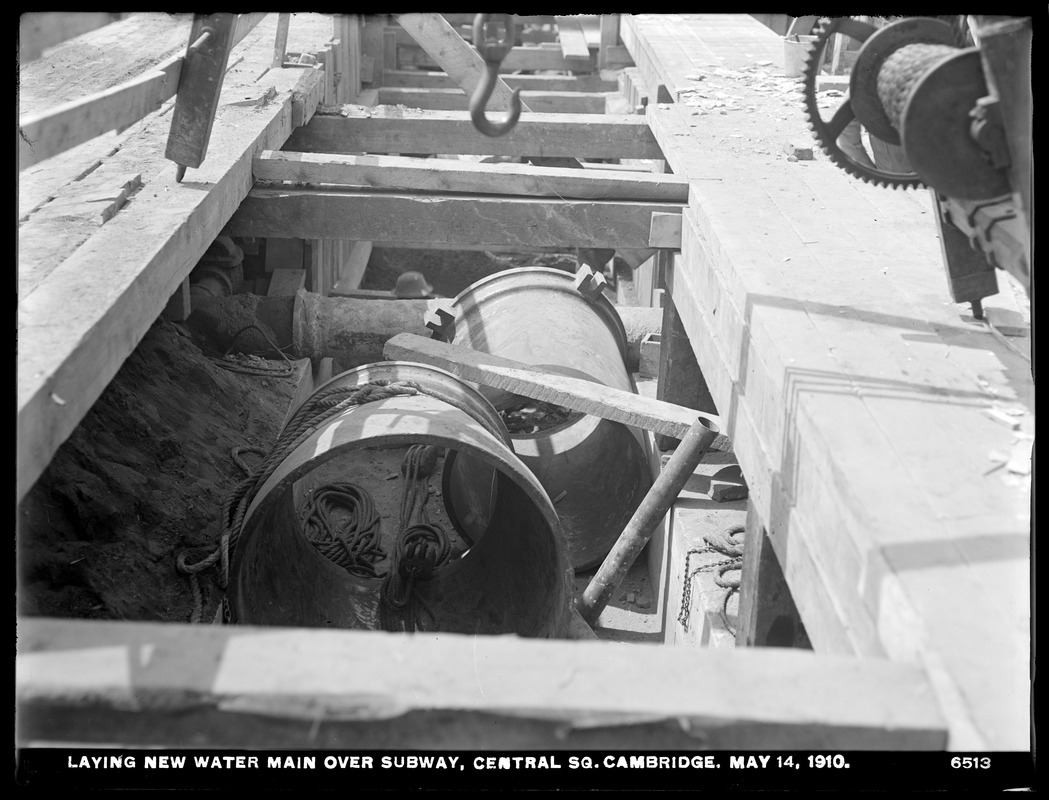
{"x":422,"y":548}
{"x":227,"y":362}
{"x":354,"y":545}
{"x":728,"y":545}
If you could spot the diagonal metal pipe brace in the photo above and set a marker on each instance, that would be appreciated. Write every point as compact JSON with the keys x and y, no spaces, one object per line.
{"x":652,"y":509}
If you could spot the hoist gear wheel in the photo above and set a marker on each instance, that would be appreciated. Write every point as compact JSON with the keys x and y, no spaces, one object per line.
{"x":861,"y":95}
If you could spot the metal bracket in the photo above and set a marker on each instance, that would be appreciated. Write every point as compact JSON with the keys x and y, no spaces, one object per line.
{"x":590,"y":284}
{"x":440,"y":320}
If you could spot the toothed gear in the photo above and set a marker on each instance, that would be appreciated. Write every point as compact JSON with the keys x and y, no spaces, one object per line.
{"x":825,"y":138}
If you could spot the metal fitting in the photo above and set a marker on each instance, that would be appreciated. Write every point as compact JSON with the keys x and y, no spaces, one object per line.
{"x":588,"y":283}
{"x":440,"y":319}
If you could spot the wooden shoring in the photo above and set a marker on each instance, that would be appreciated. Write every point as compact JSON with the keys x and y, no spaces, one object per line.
{"x":380,"y":216}
{"x":420,"y":79}
{"x":454,"y":100}
{"x":389,"y":130}
{"x":447,"y":176}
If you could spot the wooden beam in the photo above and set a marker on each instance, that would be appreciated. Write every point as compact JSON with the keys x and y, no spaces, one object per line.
{"x":609,"y":38}
{"x":85,"y":318}
{"x":573,"y":42}
{"x":285,"y":282}
{"x":681,"y":380}
{"x":179,"y":306}
{"x":767,"y":615}
{"x":352,"y":270}
{"x":420,"y":79}
{"x":665,"y":231}
{"x":372,"y":46}
{"x":51,"y":132}
{"x":446,"y":218}
{"x":280,"y":45}
{"x":39,"y":30}
{"x":291,"y":688}
{"x":617,"y":56}
{"x":538,"y":384}
{"x":406,"y":131}
{"x":455,"y":100}
{"x":442,"y":175}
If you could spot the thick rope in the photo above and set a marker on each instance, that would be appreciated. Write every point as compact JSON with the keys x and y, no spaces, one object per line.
{"x":901,"y":71}
{"x":422,"y":548}
{"x":354,"y":545}
{"x":227,"y":362}
{"x":728,"y":545}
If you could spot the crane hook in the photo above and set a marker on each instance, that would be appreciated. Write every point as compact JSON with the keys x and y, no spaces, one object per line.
{"x":493,"y":52}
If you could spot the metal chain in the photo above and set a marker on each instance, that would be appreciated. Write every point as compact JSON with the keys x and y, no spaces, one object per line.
{"x":733,"y":552}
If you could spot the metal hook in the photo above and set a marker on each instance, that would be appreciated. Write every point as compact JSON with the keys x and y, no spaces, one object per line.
{"x":493,"y":53}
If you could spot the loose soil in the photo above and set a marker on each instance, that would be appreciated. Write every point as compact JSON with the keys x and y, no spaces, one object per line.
{"x":140,"y":480}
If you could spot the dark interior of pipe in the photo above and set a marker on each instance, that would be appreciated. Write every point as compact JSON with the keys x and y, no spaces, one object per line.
{"x":511,"y":580}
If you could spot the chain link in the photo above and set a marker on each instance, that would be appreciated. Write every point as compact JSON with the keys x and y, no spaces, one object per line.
{"x":733,"y":560}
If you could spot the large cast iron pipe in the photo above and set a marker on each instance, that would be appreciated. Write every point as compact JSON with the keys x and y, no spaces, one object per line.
{"x":514,"y":579}
{"x":350,"y":330}
{"x":595,"y":469}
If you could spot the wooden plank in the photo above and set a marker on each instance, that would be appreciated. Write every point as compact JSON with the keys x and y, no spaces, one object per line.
{"x":48,"y":133}
{"x":39,"y":30}
{"x":455,"y":100}
{"x":44,"y":135}
{"x":404,"y":131}
{"x":280,"y":687}
{"x":179,"y":306}
{"x":617,"y":56}
{"x":420,"y":79}
{"x":609,"y":38}
{"x":350,"y":33}
{"x":351,"y":271}
{"x":79,"y":325}
{"x":79,"y":189}
{"x":440,"y":175}
{"x":372,"y":46}
{"x":767,"y":615}
{"x":280,"y":45}
{"x":573,"y":42}
{"x":574,"y":393}
{"x":389,"y":52}
{"x":665,"y":231}
{"x":681,"y":380}
{"x":285,"y":282}
{"x":449,"y":219}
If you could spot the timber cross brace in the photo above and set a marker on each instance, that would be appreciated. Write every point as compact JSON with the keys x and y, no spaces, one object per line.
{"x":871,"y":611}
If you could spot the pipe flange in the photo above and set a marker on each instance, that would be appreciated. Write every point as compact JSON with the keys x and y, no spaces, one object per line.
{"x":440,"y":319}
{"x":590,"y":284}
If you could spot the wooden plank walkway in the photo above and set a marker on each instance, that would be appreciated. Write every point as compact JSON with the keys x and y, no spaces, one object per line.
{"x":168,"y":685}
{"x":854,"y":390}
{"x":82,"y":311}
